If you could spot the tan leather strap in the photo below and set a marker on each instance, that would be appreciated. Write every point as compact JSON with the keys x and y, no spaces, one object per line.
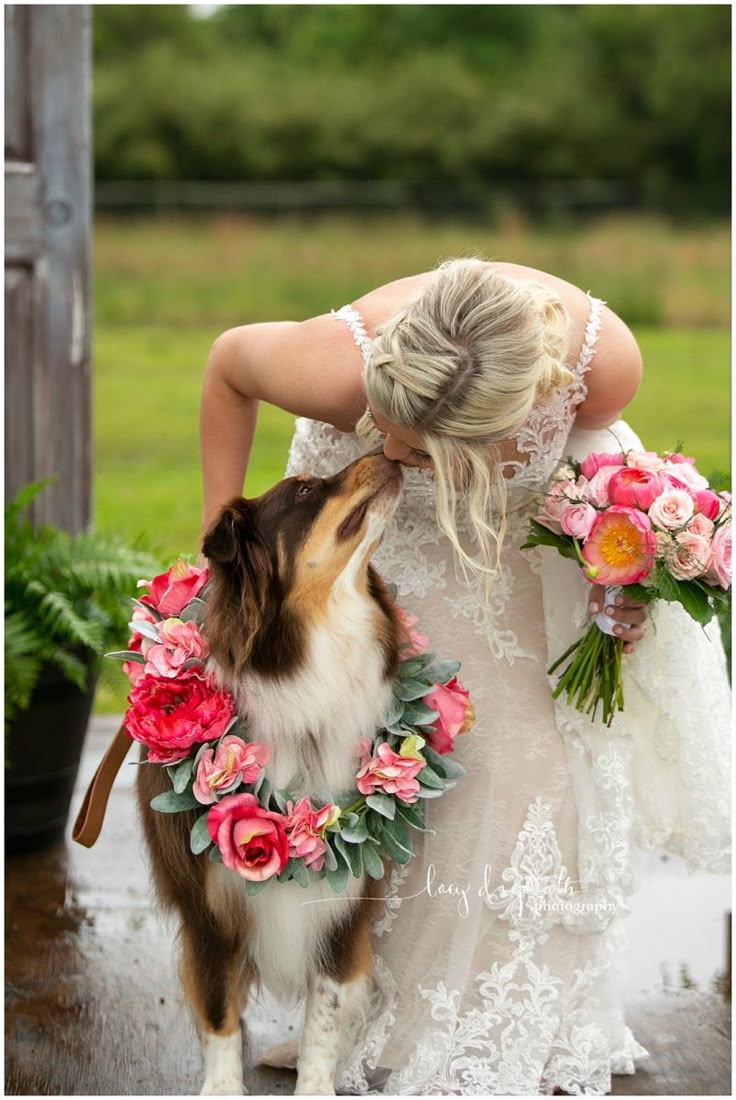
{"x":92,"y":812}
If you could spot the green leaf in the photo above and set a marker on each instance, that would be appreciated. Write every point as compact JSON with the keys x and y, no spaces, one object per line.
{"x":688,"y":593}
{"x":394,"y":712}
{"x":300,"y":872}
{"x":148,"y":630}
{"x":128,"y":655}
{"x":280,"y":797}
{"x":411,"y":813}
{"x":252,"y":888}
{"x":415,"y":713}
{"x":215,"y":854}
{"x":430,"y":778}
{"x":192,"y":613}
{"x":372,"y":861}
{"x":412,"y":689}
{"x":382,"y":804}
{"x":180,"y":774}
{"x":338,"y":876}
{"x":443,"y":671}
{"x":540,"y":535}
{"x":331,"y":862}
{"x":414,"y":665}
{"x":172,"y":803}
{"x":199,"y":839}
{"x":435,"y":760}
{"x":395,"y":850}
{"x":351,"y":855}
{"x":355,"y":834}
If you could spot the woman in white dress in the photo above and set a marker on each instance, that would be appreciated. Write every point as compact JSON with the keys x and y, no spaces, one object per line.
{"x":497,"y":951}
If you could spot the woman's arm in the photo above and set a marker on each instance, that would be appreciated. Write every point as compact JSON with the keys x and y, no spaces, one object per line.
{"x":302,"y":367}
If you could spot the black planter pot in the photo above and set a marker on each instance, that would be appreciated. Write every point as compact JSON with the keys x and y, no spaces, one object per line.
{"x":44,"y":748}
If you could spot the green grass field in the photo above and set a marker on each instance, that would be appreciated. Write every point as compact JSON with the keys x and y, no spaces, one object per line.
{"x":165,"y":289}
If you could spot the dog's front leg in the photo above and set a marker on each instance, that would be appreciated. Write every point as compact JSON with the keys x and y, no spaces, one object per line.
{"x":215,"y":985}
{"x":330,"y":1008}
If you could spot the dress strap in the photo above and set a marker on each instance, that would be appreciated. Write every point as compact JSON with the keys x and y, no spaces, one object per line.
{"x":592,"y":328}
{"x":355,"y":323}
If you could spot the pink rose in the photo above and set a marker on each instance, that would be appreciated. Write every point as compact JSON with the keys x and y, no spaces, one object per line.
{"x":620,"y":547}
{"x":222,"y":769}
{"x":708,"y":503}
{"x":689,"y":556}
{"x":388,"y":772}
{"x":672,"y":508}
{"x":169,"y":716}
{"x":701,"y":525}
{"x":305,"y":828}
{"x":180,"y":642}
{"x":170,"y":592}
{"x":645,"y":460}
{"x":686,"y":473}
{"x":557,"y":499}
{"x":577,"y":520}
{"x":252,"y":841}
{"x":419,"y":642}
{"x":597,"y":489}
{"x":634,"y":488}
{"x":670,"y":481}
{"x":455,"y":714}
{"x":593,"y":462}
{"x":719,"y":571}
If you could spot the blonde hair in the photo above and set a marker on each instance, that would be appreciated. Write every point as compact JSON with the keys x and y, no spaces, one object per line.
{"x":463,"y":365}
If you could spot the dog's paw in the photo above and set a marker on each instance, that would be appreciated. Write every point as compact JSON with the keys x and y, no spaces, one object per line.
{"x":221,"y":1086}
{"x":281,"y":1056}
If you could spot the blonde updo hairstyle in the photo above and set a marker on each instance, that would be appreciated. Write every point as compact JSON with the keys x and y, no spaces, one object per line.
{"x":463,"y":365}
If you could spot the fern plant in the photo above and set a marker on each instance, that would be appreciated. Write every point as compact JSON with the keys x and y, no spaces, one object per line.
{"x":65,"y":599}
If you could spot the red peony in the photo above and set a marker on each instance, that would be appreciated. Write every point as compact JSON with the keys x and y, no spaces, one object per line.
{"x":169,"y":716}
{"x":170,"y":592}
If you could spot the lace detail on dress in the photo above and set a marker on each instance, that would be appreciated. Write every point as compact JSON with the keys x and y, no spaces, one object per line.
{"x":355,"y":323}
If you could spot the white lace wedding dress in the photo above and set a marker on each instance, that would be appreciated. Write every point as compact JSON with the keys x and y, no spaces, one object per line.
{"x":497,"y":950}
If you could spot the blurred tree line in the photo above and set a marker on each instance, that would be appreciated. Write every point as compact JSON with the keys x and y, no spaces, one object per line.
{"x":491,"y":95}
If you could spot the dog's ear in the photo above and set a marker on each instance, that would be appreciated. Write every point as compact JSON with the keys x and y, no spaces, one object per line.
{"x":223,"y":540}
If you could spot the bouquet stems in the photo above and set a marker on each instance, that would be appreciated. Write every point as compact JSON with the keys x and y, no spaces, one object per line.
{"x":592,"y":675}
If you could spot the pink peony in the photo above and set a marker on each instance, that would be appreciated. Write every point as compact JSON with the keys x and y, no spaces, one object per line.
{"x":305,"y":828}
{"x":388,"y":772}
{"x":169,"y":716}
{"x":419,"y":642}
{"x":620,"y":547}
{"x":577,"y":520}
{"x":719,"y":571}
{"x":678,"y":459}
{"x":634,"y":488}
{"x":701,"y":525}
{"x":708,"y":503}
{"x":252,"y":841}
{"x":593,"y":462}
{"x":180,"y":642}
{"x":672,"y":509}
{"x":221,"y":769}
{"x":688,"y":556}
{"x":170,"y":592}
{"x":455,"y":714}
{"x":597,"y":489}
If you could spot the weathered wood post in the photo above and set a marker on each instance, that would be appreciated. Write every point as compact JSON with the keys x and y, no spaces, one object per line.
{"x":48,"y":187}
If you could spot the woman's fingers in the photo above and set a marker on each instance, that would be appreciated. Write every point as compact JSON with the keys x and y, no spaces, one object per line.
{"x":628,"y":615}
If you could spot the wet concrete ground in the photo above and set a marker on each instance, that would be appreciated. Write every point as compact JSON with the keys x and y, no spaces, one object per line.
{"x":93,"y":1005}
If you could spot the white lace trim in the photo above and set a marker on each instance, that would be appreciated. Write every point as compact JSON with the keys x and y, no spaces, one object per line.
{"x":355,"y":323}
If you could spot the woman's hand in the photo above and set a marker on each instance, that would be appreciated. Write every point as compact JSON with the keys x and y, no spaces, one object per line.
{"x":630,"y":616}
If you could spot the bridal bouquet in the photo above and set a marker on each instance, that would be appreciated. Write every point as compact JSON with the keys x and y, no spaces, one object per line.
{"x":643,"y":521}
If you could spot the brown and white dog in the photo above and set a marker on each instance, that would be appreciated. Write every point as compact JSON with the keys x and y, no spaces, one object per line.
{"x":304,"y":633}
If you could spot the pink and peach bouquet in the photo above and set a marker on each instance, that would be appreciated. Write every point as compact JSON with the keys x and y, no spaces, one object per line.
{"x":638,"y":520}
{"x":188,"y":722}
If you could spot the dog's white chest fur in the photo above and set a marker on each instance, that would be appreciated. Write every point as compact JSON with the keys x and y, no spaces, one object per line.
{"x":313,"y":720}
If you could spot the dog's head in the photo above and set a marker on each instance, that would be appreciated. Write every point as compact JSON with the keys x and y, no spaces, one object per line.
{"x":278,"y":560}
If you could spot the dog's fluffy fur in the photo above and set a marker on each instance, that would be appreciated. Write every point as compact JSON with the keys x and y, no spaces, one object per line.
{"x":303,"y":632}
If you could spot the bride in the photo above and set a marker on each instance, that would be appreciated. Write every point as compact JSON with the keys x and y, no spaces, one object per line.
{"x":497,"y":950}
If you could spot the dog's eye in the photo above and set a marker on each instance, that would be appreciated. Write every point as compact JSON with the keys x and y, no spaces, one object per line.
{"x":304,"y":489}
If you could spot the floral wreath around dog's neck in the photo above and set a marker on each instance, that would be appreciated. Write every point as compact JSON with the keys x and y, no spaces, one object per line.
{"x":188,"y":723}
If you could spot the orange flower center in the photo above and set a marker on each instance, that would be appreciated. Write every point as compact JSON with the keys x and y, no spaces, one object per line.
{"x":619,"y":546}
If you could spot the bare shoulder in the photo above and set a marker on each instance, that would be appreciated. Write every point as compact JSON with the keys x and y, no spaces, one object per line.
{"x":616,"y":368}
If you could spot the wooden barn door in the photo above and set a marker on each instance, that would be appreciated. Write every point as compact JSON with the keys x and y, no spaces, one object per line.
{"x":47,"y":257}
